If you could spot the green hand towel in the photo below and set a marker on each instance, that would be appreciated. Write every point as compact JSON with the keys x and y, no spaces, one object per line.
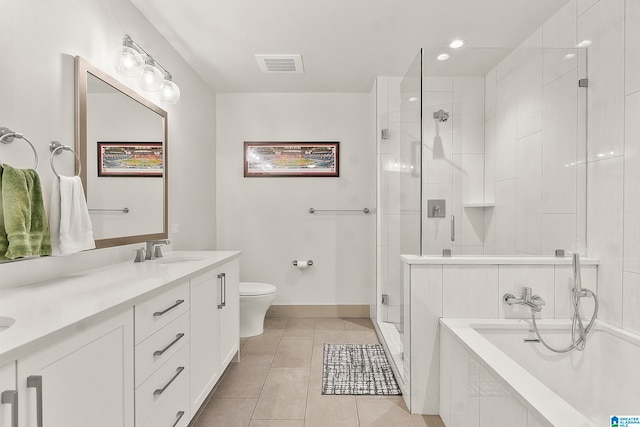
{"x":4,"y":243}
{"x":25,"y":219}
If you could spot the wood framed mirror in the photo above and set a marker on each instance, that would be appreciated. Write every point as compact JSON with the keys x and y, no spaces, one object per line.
{"x":121,"y":139}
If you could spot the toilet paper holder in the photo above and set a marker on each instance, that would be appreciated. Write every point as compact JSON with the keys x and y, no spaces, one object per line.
{"x":295,"y":262}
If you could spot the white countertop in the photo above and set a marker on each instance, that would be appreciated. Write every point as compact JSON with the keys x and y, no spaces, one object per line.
{"x":46,"y":311}
{"x":493,"y":260}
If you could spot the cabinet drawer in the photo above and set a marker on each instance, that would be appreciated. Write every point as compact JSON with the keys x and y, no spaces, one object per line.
{"x":174,"y":412}
{"x":155,"y":391}
{"x":160,"y":310}
{"x":160,"y":347}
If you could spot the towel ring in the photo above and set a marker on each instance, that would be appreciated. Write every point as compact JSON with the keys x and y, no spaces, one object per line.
{"x":56,"y":148}
{"x":7,"y":136}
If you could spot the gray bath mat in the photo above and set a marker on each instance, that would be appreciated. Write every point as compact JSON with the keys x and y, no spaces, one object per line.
{"x":357,"y":369}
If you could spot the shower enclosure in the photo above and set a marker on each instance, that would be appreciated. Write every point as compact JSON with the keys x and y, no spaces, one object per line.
{"x":482,"y":154}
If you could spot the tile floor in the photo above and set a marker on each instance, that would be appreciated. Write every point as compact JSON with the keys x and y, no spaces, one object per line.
{"x":277,"y":382}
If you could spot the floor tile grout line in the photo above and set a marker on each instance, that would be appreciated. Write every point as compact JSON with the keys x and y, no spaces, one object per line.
{"x":265,"y":380}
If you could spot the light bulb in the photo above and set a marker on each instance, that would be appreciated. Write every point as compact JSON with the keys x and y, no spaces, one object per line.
{"x":128,"y":61}
{"x":169,"y":92}
{"x":151,"y":78}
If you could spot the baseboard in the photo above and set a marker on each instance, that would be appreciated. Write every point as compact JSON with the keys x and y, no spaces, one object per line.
{"x":319,"y":311}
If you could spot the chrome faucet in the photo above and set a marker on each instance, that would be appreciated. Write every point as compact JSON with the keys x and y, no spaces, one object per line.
{"x":534,"y":302}
{"x":154,"y":250}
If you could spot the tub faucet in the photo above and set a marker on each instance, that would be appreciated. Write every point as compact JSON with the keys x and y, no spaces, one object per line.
{"x":534,"y":302}
{"x":153,"y":248}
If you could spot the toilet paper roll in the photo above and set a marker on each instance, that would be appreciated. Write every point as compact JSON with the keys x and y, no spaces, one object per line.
{"x":302,"y":263}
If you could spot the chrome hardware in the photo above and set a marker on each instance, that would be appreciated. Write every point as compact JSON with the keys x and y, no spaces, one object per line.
{"x":10,"y":397}
{"x":179,"y":416}
{"x":534,"y":302}
{"x":453,"y":228}
{"x":385,"y":299}
{"x":159,"y":391}
{"x":583,"y":83}
{"x":384,"y":134}
{"x":7,"y":136}
{"x":57,"y":148}
{"x":446,"y":252}
{"x":436,"y":208}
{"x":123,"y":210}
{"x":158,"y":353}
{"x":223,"y":290}
{"x":365,"y":210}
{"x":35,"y":381}
{"x":160,"y":313}
{"x":560,"y":253}
{"x":139,"y":255}
{"x":295,"y":263}
{"x":153,"y":248}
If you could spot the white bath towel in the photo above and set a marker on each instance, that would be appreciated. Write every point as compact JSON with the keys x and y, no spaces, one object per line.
{"x":71,"y":229}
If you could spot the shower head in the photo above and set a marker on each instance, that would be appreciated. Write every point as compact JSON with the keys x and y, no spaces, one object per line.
{"x":441,"y":115}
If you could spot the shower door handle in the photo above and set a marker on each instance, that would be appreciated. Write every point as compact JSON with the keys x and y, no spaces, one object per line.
{"x":453,"y":228}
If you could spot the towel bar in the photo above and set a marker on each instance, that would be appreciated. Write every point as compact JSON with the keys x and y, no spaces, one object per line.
{"x":364,"y":211}
{"x":123,"y":210}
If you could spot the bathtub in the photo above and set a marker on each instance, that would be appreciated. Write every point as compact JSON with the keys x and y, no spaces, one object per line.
{"x":490,"y":376}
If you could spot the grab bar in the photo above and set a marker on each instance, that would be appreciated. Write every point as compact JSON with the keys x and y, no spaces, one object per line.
{"x":364,"y":211}
{"x":7,"y":136}
{"x":123,"y":210}
{"x":56,"y":148}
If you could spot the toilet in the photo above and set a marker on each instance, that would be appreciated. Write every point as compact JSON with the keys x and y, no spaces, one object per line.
{"x":255,"y":299}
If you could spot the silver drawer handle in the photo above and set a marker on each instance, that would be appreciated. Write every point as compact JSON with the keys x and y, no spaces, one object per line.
{"x":179,"y":415}
{"x":161,"y":352}
{"x":35,"y":381}
{"x":159,"y":391}
{"x":10,"y":397}
{"x":160,"y":313}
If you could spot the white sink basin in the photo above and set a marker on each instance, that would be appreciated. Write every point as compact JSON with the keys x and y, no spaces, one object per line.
{"x":179,"y":259}
{"x":6,"y":323}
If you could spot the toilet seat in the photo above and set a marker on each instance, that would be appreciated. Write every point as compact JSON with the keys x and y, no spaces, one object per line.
{"x":256,"y":289}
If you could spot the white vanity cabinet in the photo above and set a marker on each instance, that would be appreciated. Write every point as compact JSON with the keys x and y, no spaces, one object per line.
{"x":85,"y":379}
{"x":8,"y":396}
{"x":214,"y":327}
{"x":162,"y":334}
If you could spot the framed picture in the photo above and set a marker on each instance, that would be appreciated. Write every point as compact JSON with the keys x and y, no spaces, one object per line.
{"x":278,"y":159}
{"x":130,"y":159}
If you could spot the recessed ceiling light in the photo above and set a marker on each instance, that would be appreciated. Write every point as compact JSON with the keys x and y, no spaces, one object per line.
{"x":570,"y":55}
{"x":456,"y":44}
{"x":443,"y":57}
{"x":585,"y":43}
{"x":413,"y":99}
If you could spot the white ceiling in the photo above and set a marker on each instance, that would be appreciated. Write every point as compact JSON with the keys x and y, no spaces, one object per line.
{"x":344,"y":43}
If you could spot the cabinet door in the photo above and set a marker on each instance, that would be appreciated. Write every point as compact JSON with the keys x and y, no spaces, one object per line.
{"x":230,"y":313}
{"x":206,"y":292}
{"x":83,"y":380}
{"x":9,"y":394}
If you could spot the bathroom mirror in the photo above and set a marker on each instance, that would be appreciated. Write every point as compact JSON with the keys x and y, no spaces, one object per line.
{"x":121,"y":139}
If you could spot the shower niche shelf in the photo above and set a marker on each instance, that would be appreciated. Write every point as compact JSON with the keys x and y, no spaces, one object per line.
{"x":479,"y":205}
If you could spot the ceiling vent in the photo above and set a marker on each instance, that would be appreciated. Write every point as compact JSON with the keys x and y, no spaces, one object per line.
{"x":280,"y":63}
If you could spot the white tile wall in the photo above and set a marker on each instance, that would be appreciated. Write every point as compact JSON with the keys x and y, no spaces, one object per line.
{"x":490,"y":160}
{"x":558,"y":232}
{"x":506,"y":98}
{"x":563,"y":286}
{"x":529,"y":88}
{"x":603,"y":24}
{"x":605,"y":233}
{"x":631,"y":296}
{"x":466,"y":297}
{"x":632,"y":46}
{"x":559,"y":145}
{"x":529,"y":194}
{"x":437,"y":145}
{"x":504,"y":216}
{"x":632,"y":184}
{"x":467,"y":115}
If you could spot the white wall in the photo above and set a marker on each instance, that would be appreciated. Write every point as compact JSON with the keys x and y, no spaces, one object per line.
{"x":38,"y":43}
{"x":268,"y":219}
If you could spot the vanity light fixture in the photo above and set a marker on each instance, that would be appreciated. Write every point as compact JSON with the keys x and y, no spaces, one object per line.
{"x":133,"y":61}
